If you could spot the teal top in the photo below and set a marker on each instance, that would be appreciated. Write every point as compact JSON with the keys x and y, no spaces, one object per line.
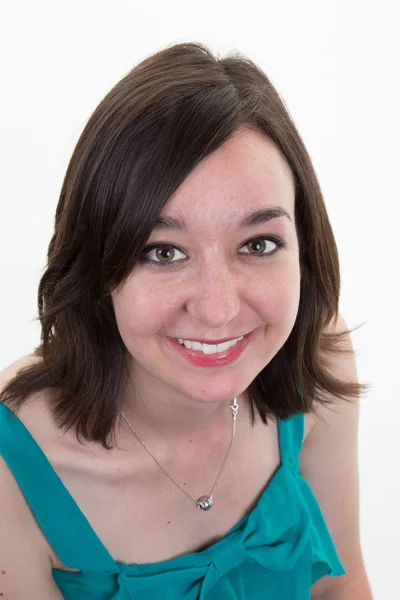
{"x":276,"y":552}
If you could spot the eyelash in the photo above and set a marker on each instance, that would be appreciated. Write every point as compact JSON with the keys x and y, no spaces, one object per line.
{"x":279,"y":243}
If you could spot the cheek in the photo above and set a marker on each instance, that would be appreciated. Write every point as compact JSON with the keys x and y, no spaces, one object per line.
{"x":277,"y":293}
{"x":286,"y":305}
{"x":278,"y":309}
{"x":141,"y":308}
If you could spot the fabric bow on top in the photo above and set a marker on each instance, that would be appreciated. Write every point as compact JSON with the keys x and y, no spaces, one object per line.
{"x":266,"y":540}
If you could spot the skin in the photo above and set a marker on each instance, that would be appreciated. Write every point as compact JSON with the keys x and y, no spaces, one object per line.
{"x":329,"y":464}
{"x":215,"y":289}
{"x":217,"y":292}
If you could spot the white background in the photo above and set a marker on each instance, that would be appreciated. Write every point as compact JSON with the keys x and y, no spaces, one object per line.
{"x":336,"y":66}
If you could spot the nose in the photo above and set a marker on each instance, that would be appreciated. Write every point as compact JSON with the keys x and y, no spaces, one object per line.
{"x":214,"y":299}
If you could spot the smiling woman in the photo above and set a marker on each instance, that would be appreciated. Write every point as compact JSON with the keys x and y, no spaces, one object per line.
{"x":190,"y":335}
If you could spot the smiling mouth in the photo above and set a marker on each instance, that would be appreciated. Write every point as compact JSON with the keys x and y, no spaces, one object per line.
{"x":211,"y":355}
{"x":209,"y":348}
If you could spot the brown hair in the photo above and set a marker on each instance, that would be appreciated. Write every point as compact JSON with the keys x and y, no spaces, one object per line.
{"x":144,"y":138}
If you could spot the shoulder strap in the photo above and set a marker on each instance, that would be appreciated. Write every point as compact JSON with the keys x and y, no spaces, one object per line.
{"x":65,"y":526}
{"x":291,"y":433}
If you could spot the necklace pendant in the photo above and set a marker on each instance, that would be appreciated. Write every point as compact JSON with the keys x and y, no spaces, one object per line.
{"x":204,"y":503}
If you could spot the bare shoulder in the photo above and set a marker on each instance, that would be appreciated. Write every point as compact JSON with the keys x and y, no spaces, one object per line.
{"x":308,"y":425}
{"x":35,"y":412}
{"x":340,"y":417}
{"x":344,"y":367}
{"x":12,"y":369}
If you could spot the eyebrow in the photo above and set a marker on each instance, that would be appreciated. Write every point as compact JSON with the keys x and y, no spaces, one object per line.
{"x":258,"y":217}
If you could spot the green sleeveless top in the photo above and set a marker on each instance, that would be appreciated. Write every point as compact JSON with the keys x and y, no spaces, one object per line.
{"x":277,"y":551}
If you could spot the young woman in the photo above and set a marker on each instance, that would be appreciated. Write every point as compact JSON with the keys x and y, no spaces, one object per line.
{"x":187,"y":427}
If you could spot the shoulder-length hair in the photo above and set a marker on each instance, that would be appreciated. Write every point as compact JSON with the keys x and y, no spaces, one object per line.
{"x":144,"y":138}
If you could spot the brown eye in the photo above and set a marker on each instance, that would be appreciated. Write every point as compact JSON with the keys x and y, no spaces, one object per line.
{"x":258,"y":246}
{"x":164,"y":253}
{"x":161,"y":255}
{"x":261,"y":246}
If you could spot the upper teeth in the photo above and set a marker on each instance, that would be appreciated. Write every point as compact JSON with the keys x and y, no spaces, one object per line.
{"x":209,"y":348}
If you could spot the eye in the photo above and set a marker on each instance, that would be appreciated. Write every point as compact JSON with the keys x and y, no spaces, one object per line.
{"x":161,"y":255}
{"x":264,"y":246}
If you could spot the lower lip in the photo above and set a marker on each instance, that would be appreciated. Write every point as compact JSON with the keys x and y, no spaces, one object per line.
{"x":196,"y":357}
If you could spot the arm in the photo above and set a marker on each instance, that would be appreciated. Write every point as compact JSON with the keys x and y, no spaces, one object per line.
{"x":25,"y":564}
{"x":359,"y":591}
{"x":329,"y":463}
{"x":25,"y":560}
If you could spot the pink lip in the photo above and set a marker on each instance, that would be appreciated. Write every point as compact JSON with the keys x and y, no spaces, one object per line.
{"x":220,"y":359}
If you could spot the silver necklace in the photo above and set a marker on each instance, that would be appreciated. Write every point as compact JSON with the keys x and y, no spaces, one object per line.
{"x":204,"y":502}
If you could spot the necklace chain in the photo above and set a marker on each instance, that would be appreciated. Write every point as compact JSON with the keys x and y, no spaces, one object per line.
{"x":205,"y":502}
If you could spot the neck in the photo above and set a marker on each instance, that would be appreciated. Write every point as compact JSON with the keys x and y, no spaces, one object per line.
{"x":164,"y":418}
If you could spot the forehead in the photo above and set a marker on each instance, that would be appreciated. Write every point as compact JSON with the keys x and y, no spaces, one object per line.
{"x":246,"y":173}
